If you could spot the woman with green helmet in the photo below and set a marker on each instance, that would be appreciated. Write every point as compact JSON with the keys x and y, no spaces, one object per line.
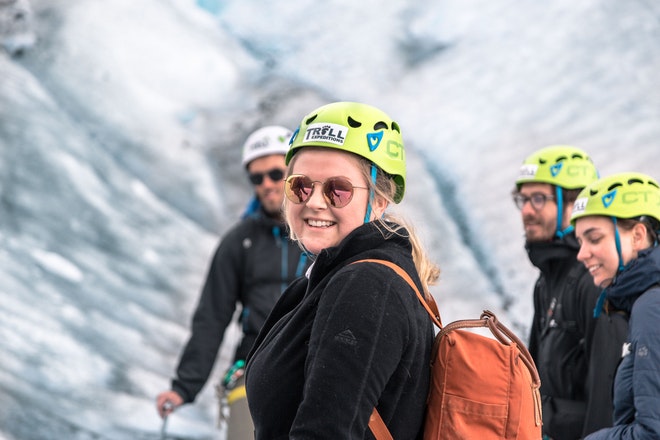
{"x":617,"y":221}
{"x":347,"y":338}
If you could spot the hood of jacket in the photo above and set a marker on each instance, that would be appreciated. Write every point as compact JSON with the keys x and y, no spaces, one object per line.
{"x":635,"y":279}
{"x":547,"y":255}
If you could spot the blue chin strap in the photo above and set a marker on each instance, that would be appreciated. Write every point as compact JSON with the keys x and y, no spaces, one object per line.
{"x":374,"y":172}
{"x":617,"y":242}
{"x":559,"y":197}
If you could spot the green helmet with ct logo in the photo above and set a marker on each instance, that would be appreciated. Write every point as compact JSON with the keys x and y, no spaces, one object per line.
{"x":564,"y":166}
{"x":623,"y":195}
{"x":357,"y":128}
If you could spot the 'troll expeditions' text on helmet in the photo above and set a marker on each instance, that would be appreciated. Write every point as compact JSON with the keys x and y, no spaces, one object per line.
{"x":564,"y":166}
{"x":272,"y":139}
{"x":356,"y":128}
{"x":623,"y":195}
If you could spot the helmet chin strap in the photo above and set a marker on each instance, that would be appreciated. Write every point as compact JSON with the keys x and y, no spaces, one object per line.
{"x":559,"y":197}
{"x":617,"y":241}
{"x":603,"y":294}
{"x":367,"y":215}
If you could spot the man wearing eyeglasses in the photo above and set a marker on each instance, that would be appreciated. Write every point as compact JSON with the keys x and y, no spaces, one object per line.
{"x":252,"y":266}
{"x":576,"y":355}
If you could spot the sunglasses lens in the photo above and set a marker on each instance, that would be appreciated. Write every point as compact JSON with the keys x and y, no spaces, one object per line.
{"x":298,"y":188}
{"x":338,"y":191}
{"x":276,"y":175}
{"x":256,"y":178}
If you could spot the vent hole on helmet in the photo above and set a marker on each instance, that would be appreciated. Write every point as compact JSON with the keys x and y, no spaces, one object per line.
{"x":395,"y":126}
{"x":310,"y":119}
{"x":353,"y":123}
{"x":614,"y":185}
{"x":634,"y":180}
{"x":380,"y":125}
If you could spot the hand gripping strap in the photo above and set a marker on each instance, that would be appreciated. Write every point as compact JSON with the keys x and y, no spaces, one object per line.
{"x":376,"y":423}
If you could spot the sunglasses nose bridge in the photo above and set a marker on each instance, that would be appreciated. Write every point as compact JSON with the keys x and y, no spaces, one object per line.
{"x":321,"y":192}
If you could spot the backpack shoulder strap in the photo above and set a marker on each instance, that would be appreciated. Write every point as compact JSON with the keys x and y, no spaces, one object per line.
{"x":428,"y":302}
{"x":378,"y":427}
{"x":376,"y":423}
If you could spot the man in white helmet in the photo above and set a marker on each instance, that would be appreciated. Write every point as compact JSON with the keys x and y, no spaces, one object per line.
{"x":252,"y":265}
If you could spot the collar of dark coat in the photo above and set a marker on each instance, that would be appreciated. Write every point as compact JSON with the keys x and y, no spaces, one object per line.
{"x":366,"y":241}
{"x":553,"y":256}
{"x":638,"y":276}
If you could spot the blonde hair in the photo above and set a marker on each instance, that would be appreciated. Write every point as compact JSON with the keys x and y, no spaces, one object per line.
{"x":388,"y":224}
{"x":385,"y":187}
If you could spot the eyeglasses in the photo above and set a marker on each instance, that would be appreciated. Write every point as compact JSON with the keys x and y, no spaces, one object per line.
{"x":276,"y":174}
{"x":337,"y":191}
{"x":536,"y":199}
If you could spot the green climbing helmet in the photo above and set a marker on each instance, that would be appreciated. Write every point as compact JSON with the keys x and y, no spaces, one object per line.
{"x":623,"y":195}
{"x":562,"y":165}
{"x":357,"y":128}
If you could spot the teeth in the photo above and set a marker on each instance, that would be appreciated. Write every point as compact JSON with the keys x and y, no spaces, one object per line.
{"x":319,"y":223}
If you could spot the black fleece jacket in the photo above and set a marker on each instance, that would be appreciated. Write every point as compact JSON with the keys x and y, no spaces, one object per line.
{"x":351,"y":337}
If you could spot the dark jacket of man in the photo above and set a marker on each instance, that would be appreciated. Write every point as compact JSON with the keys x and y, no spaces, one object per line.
{"x":253,"y":264}
{"x":562,"y":343}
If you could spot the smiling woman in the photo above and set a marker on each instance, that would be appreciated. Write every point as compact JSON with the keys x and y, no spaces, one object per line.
{"x":356,"y":337}
{"x":617,"y":220}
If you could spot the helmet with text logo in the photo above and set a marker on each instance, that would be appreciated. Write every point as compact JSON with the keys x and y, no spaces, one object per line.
{"x":265,"y":141}
{"x":623,"y":195}
{"x":357,"y":128}
{"x":564,"y":166}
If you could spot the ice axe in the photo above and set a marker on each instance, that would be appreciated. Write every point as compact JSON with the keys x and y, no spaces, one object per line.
{"x":167,"y":409}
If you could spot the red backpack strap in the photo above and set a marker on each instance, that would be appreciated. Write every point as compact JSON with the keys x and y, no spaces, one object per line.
{"x":378,"y":427}
{"x":428,"y":302}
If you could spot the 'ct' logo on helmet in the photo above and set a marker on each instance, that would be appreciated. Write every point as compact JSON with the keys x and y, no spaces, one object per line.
{"x":645,"y":197}
{"x":578,"y":171}
{"x":394,"y":150}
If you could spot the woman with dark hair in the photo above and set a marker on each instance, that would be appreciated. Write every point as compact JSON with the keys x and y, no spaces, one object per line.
{"x":617,"y":220}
